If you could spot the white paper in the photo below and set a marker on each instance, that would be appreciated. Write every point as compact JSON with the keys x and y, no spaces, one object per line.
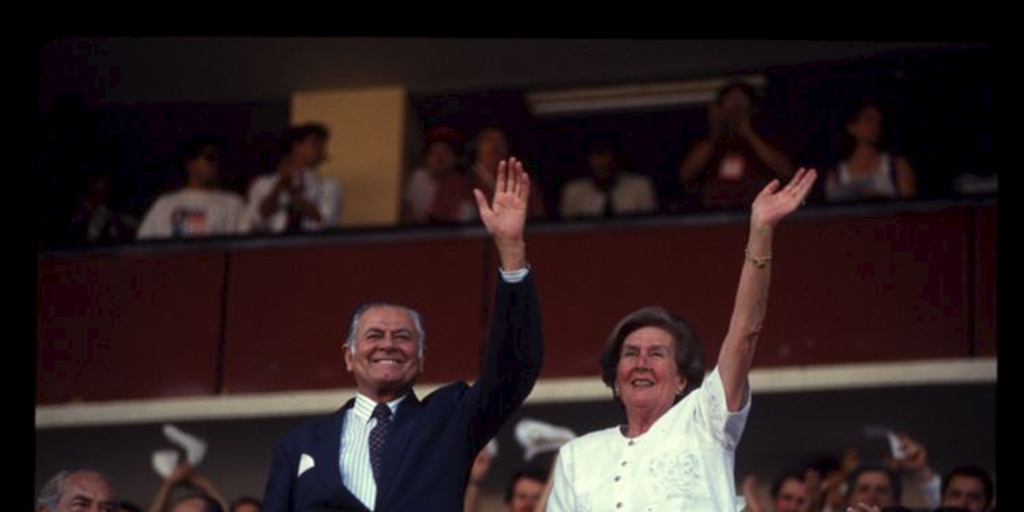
{"x":881,"y":432}
{"x":537,"y":437}
{"x":195,"y":448}
{"x":164,"y":462}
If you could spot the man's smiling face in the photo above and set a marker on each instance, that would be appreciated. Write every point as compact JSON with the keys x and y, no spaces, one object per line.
{"x":386,"y":359}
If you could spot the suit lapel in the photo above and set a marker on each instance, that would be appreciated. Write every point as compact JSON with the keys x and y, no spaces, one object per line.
{"x":327,"y":453}
{"x":402,"y":430}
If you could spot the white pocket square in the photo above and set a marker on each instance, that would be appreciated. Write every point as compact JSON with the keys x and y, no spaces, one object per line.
{"x":305,"y":463}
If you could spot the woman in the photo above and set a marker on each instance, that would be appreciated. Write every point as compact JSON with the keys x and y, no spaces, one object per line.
{"x":867,"y":171}
{"x":677,"y":449}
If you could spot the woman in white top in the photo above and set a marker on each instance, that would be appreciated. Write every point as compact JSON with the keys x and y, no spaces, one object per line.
{"x":677,"y":448}
{"x":867,"y":171}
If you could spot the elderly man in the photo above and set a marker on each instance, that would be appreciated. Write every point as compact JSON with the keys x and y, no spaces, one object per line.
{"x":82,"y":490}
{"x":388,"y":450}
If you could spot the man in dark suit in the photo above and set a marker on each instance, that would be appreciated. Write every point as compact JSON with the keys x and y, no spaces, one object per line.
{"x":387,"y":450}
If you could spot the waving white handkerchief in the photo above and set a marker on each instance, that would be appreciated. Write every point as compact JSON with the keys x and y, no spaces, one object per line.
{"x":164,"y":462}
{"x":305,"y":463}
{"x":195,"y":448}
{"x":538,"y":437}
{"x":882,"y":432}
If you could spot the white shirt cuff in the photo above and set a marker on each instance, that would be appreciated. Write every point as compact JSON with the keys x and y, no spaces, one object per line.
{"x":514,"y":276}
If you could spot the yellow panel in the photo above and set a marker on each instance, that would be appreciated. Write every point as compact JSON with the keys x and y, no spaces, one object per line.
{"x":365,"y":149}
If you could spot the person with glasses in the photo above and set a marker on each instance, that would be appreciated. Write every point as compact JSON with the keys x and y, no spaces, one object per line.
{"x":200,"y":208}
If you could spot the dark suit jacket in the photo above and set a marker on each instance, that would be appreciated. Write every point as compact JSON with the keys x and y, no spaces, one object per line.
{"x":432,"y":442}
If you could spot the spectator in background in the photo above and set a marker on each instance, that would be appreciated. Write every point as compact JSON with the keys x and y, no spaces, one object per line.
{"x":200,"y":208}
{"x":246,"y":504}
{"x":77,"y":490}
{"x":788,"y":493}
{"x":871,"y":488}
{"x":296,"y":198}
{"x":477,"y":474}
{"x":523,"y":492}
{"x":438,"y":192}
{"x":202,"y":495}
{"x":867,"y":170}
{"x":607,"y":190}
{"x":93,"y":221}
{"x":826,"y":481}
{"x":732,"y":163}
{"x":489,"y":147}
{"x":525,"y":489}
{"x":197,"y":502}
{"x":128,"y":506}
{"x":969,"y":488}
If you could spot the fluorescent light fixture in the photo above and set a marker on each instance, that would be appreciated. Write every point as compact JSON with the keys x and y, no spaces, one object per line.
{"x":631,"y":97}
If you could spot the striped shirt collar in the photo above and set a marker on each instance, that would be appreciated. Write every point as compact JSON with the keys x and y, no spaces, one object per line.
{"x":363,"y":408}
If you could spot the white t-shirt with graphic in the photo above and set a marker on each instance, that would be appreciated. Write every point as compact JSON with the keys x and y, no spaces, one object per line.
{"x":190,"y":213}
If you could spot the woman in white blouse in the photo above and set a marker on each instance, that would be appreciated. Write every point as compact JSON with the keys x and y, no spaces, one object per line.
{"x":677,"y":449}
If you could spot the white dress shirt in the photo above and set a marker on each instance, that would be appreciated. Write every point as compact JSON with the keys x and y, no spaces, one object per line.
{"x":356,"y":472}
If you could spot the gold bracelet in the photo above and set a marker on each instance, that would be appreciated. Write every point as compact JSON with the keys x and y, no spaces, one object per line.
{"x":758,"y":262}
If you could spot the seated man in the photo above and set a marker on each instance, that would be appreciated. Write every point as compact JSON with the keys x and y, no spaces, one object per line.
{"x":200,"y":208}
{"x":607,"y":190}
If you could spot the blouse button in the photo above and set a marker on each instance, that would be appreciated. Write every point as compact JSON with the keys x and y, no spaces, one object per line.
{"x":631,"y":443}
{"x":617,"y":477}
{"x":618,"y":505}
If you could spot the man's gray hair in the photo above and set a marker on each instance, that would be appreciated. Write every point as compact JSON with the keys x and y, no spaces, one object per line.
{"x":50,"y":495}
{"x":417,"y":321}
